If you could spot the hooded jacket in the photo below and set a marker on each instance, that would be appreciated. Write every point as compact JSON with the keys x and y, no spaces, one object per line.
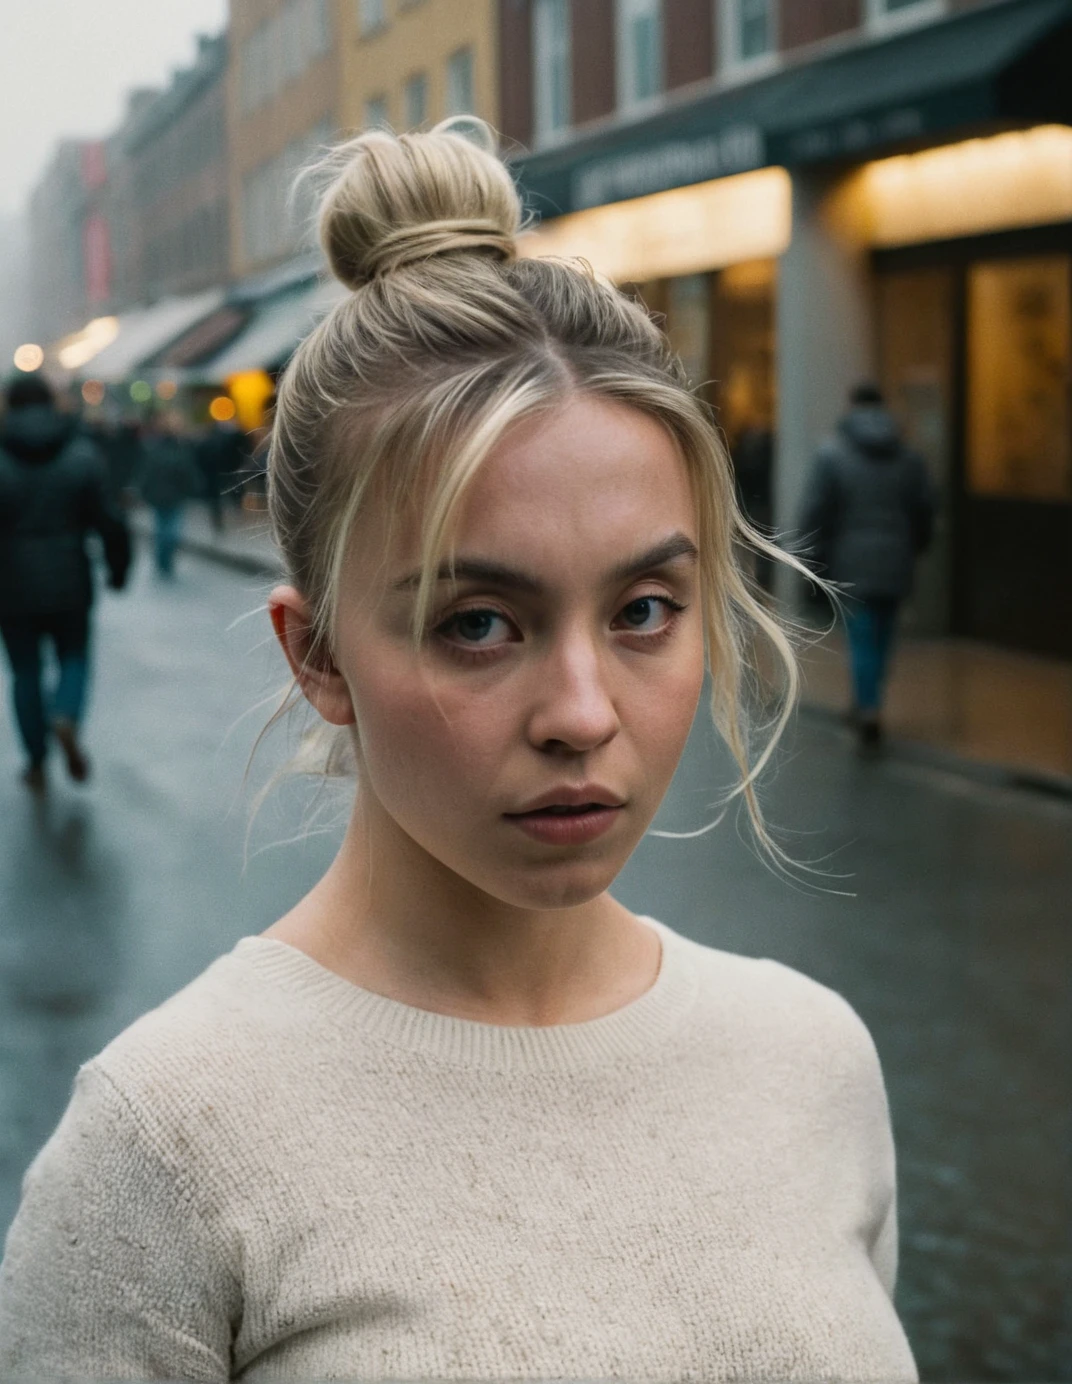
{"x":868,"y":509}
{"x":53,"y":492}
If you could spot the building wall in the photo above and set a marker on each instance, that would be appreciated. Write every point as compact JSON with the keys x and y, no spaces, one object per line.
{"x":57,"y":264}
{"x":283,"y":102}
{"x":178,"y":176}
{"x":688,"y":41}
{"x":592,"y":40}
{"x":383,"y":44}
{"x":515,"y":71}
{"x":808,"y":21}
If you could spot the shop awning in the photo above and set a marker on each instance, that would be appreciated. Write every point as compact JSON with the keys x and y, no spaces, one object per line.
{"x":144,"y":332}
{"x":1006,"y":64}
{"x":276,"y":326}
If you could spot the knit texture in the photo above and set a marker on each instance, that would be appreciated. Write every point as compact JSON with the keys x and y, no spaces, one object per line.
{"x":279,"y":1175}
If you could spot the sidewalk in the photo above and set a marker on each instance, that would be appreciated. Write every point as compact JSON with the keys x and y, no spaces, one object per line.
{"x":993,"y":713}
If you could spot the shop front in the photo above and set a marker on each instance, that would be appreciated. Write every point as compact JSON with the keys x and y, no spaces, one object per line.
{"x":908,"y":217}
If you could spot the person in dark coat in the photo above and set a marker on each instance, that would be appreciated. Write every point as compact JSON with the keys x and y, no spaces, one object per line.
{"x":223,"y":456}
{"x":53,"y":492}
{"x":170,"y":477}
{"x":753,"y":465}
{"x":868,"y":514}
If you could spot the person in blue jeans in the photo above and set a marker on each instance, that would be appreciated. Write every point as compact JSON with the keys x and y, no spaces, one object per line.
{"x":53,"y":493}
{"x":170,"y":478}
{"x":868,"y":514}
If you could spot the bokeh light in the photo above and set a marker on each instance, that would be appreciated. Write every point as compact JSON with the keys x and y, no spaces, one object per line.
{"x":141,"y":392}
{"x":222,"y":409}
{"x":93,"y":393}
{"x":29,"y":357}
{"x":167,"y":389}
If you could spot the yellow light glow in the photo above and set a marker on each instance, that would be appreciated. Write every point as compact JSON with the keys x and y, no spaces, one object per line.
{"x":1021,"y":178}
{"x":683,"y":231}
{"x":29,"y":357}
{"x":79,"y":348}
{"x":93,"y":393}
{"x":167,"y":389}
{"x":222,"y":409}
{"x":250,"y":391}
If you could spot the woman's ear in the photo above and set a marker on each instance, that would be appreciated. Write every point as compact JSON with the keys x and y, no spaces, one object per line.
{"x":316,"y":674}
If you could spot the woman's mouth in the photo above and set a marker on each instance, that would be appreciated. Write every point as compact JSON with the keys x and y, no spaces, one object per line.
{"x":562,"y":825}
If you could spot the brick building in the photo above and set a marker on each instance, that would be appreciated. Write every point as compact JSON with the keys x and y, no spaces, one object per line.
{"x":814,"y":191}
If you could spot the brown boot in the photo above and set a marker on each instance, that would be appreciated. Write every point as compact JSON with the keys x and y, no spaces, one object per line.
{"x":33,"y":776}
{"x":66,"y":733}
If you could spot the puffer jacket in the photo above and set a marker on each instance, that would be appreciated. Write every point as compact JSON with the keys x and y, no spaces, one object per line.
{"x":868,"y":509}
{"x":53,"y":493}
{"x":170,"y":475}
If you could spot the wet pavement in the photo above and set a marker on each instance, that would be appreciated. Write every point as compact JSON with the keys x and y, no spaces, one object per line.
{"x":955,"y":945}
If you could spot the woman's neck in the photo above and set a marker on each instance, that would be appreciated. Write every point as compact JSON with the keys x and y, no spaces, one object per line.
{"x":390,"y":918}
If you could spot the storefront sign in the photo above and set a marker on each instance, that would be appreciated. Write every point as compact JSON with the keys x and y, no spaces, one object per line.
{"x":676,"y":163}
{"x":851,"y":136}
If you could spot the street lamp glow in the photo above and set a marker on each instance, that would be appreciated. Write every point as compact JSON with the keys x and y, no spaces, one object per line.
{"x":29,"y":357}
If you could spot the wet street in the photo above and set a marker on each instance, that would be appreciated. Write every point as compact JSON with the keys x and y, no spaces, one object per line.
{"x":955,"y":945}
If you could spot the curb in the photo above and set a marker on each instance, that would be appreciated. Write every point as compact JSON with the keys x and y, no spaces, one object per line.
{"x":981,"y":771}
{"x":1058,"y":786}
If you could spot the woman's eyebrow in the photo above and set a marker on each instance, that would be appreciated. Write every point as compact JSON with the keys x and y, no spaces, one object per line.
{"x":496,"y":574}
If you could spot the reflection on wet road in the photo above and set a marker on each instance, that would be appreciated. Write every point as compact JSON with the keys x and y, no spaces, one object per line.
{"x":956,"y":947}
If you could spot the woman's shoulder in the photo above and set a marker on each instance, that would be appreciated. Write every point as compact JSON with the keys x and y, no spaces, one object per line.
{"x":210,"y":1038}
{"x":781,"y":1011}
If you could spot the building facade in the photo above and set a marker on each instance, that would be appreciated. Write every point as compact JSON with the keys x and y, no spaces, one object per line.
{"x":409,"y":63}
{"x":172,"y":186}
{"x":70,"y":240}
{"x":283,"y":103}
{"x":816,"y":191}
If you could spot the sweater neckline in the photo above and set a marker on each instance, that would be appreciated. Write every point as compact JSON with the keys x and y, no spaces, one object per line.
{"x":630,"y":1031}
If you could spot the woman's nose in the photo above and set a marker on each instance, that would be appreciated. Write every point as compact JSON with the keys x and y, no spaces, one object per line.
{"x":574,"y":707}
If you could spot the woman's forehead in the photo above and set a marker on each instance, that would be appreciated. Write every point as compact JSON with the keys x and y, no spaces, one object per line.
{"x":583,"y":487}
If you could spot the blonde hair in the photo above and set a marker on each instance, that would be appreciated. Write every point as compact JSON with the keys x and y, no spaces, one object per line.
{"x":446,"y":340}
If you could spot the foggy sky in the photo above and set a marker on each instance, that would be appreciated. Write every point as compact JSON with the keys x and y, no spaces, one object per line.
{"x":65,"y":67}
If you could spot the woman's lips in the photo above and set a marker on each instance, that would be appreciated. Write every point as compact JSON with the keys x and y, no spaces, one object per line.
{"x":570,"y":828}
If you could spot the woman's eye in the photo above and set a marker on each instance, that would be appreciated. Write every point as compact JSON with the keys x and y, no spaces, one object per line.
{"x":647,"y":613}
{"x":479,"y":628}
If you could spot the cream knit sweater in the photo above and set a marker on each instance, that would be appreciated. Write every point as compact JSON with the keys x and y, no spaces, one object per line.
{"x":278,"y":1175}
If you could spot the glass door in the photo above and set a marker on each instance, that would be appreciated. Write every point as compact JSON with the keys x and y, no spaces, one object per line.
{"x":1017,"y":577}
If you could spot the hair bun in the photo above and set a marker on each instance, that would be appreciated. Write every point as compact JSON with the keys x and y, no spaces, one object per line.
{"x":397,"y":199}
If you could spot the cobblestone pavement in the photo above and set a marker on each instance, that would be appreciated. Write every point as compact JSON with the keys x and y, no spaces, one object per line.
{"x":953,"y":940}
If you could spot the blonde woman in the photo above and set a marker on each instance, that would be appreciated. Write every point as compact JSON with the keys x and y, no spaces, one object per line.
{"x":460,"y":1114}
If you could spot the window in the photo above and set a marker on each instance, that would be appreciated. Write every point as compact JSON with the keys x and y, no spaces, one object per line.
{"x":415,"y":97}
{"x":747,"y":31}
{"x":460,"y":82}
{"x":376,"y":113}
{"x":895,"y":14}
{"x":552,"y":66}
{"x":278,"y":51}
{"x":371,"y":15}
{"x":640,"y":50}
{"x":754,"y":29}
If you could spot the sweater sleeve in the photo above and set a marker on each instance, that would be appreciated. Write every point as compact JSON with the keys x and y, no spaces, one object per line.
{"x":109,"y":1269}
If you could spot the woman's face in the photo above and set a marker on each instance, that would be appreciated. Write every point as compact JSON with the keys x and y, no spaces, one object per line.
{"x":561,"y":669}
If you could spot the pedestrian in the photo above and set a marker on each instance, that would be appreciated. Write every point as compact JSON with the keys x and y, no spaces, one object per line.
{"x":125,"y":460}
{"x":170,"y":477}
{"x":53,"y":494}
{"x":223,"y":457}
{"x":460,"y":1113}
{"x":867,"y":516}
{"x":753,"y":465}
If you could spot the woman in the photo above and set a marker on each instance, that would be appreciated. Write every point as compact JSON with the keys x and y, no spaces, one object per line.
{"x":460,"y":1114}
